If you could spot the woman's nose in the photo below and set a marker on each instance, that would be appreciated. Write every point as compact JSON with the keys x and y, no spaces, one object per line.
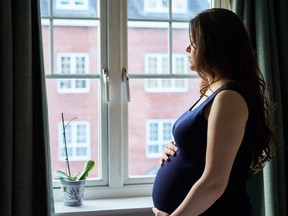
{"x":188,"y":49}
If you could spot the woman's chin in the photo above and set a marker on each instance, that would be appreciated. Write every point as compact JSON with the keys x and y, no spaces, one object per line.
{"x":193,"y":68}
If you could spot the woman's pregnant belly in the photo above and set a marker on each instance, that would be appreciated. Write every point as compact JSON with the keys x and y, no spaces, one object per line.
{"x":173,"y":181}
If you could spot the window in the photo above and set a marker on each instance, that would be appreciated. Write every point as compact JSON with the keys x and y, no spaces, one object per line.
{"x":77,"y":135}
{"x":162,"y":6}
{"x":72,"y":4}
{"x":159,"y":64}
{"x":73,"y":63}
{"x":158,"y":135}
{"x":124,"y":78}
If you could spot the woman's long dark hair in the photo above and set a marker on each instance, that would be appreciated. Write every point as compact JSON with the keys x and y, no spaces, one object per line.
{"x":223,"y":48}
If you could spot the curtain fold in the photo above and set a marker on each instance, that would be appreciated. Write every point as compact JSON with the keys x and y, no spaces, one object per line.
{"x":266,"y":21}
{"x":26,"y":187}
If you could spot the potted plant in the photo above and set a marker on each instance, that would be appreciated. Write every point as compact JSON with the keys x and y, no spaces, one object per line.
{"x":72,"y":186}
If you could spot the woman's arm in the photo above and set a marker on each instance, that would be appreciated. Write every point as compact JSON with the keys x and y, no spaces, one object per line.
{"x":226,"y":125}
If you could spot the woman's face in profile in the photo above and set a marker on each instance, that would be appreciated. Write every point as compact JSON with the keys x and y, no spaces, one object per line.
{"x":191,"y":49}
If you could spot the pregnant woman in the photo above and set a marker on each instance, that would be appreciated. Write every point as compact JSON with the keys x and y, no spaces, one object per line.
{"x":225,"y":134}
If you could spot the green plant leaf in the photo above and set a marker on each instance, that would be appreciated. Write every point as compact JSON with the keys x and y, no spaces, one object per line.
{"x":62,"y":175}
{"x":87,"y":168}
{"x":74,"y":178}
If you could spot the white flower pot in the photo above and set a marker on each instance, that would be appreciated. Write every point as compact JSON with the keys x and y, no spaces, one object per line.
{"x":72,"y":192}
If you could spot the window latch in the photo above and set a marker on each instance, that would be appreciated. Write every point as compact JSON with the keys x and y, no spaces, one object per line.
{"x":105,"y":76}
{"x":125,"y":78}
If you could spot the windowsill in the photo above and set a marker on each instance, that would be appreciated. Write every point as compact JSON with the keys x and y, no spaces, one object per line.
{"x":114,"y":206}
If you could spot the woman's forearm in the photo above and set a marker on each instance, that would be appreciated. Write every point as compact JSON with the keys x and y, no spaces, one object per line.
{"x":201,"y":196}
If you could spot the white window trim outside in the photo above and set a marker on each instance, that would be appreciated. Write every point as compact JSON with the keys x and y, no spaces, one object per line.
{"x":149,"y":142}
{"x":73,"y":57}
{"x":159,"y":70}
{"x":73,"y":124}
{"x":72,"y":5}
{"x":159,"y":8}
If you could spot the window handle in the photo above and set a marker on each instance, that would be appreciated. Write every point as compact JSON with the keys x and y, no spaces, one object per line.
{"x":105,"y":74}
{"x":125,"y":78}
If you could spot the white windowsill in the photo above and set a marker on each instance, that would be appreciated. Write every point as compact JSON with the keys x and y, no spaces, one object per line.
{"x":114,"y":206}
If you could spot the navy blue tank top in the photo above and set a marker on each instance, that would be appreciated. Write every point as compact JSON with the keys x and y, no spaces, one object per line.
{"x":175,"y":178}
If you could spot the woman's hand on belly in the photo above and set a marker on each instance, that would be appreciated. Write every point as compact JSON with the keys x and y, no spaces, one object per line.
{"x":158,"y":212}
{"x":169,"y":150}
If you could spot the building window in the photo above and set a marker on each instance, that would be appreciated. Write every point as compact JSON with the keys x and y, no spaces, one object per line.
{"x":77,"y":135}
{"x":162,"y":6}
{"x":158,"y":135}
{"x":159,"y":64}
{"x":73,"y":63}
{"x":72,"y":4}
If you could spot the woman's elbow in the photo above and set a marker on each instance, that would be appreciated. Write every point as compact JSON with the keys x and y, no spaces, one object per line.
{"x":215,"y":187}
{"x":218,"y":189}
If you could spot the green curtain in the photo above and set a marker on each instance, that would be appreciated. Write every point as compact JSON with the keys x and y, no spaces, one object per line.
{"x":267,"y":23}
{"x":26,"y":182}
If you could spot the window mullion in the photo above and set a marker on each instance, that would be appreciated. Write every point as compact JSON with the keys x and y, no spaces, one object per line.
{"x":116,"y":129}
{"x":124,"y":65}
{"x":103,"y":108}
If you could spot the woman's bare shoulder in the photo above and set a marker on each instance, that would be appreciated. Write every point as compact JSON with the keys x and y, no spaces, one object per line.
{"x":230,"y":102}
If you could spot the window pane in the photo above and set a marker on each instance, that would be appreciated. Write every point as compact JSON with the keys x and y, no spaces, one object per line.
{"x":152,"y":65}
{"x":46,"y":44}
{"x":75,"y":8}
{"x":75,"y":46}
{"x":81,"y":65}
{"x":152,"y":83}
{"x":179,"y":83}
{"x":65,"y":62}
{"x":148,"y":9}
{"x":82,"y":131}
{"x":68,"y":134}
{"x":167,"y":131}
{"x":186,"y":9}
{"x":179,"y":65}
{"x":81,"y":84}
{"x":142,"y":47}
{"x":180,"y":36}
{"x":159,"y":9}
{"x":153,"y":131}
{"x":81,"y":151}
{"x":63,"y":153}
{"x":158,"y":99}
{"x":44,"y":7}
{"x":68,"y":46}
{"x":65,"y":84}
{"x":151,"y":116}
{"x":166,"y":83}
{"x":180,"y":6}
{"x":165,"y":65}
{"x":153,"y":149}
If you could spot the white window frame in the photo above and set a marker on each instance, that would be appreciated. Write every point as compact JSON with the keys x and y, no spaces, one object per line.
{"x":74,"y":144}
{"x":159,"y":70}
{"x":160,"y":8}
{"x":160,"y":142}
{"x":113,"y":178}
{"x":73,"y":56}
{"x":72,"y":5}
